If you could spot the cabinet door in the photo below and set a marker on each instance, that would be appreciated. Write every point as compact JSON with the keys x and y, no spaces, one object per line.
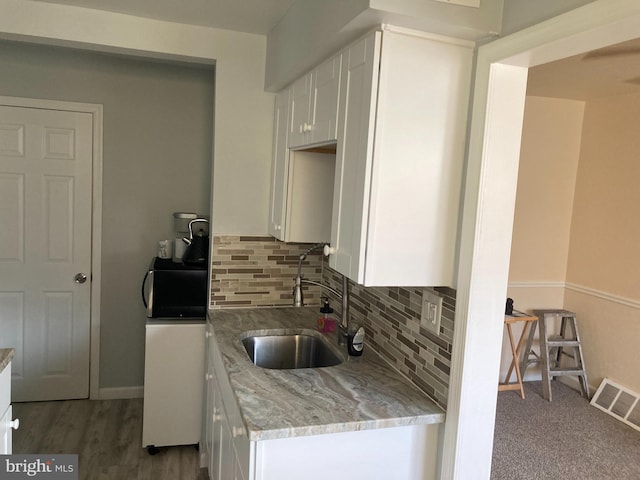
{"x":209,"y":426}
{"x":216,"y":433}
{"x":210,"y":410}
{"x":300,"y":101}
{"x":416,"y":174}
{"x":279,"y":167}
{"x":324,"y":101}
{"x":228,"y":460}
{"x":354,"y":156}
{"x":5,"y":432}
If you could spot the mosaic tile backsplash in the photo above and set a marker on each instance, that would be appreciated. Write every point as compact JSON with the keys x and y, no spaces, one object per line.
{"x":251,"y":271}
{"x":391,"y":317}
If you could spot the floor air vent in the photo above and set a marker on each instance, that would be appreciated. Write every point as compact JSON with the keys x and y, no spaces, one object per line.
{"x":619,"y":402}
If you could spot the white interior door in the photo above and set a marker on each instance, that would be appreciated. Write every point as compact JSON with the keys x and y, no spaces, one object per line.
{"x":45,"y":242}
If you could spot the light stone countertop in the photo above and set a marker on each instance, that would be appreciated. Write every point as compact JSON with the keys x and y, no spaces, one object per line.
{"x":6,"y":354}
{"x":359,"y":394}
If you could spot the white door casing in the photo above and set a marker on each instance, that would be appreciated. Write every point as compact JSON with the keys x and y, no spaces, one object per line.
{"x":46,"y":177}
{"x":494,"y":147}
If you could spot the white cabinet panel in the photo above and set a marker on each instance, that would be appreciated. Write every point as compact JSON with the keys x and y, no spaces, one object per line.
{"x":279,"y":167}
{"x":309,"y":194}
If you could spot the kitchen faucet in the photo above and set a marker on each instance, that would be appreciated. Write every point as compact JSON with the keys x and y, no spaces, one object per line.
{"x":298,"y":297}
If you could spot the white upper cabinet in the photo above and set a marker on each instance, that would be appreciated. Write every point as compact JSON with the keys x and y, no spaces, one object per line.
{"x":279,"y":166}
{"x":314,"y":105}
{"x":301,"y":185}
{"x":400,"y":151}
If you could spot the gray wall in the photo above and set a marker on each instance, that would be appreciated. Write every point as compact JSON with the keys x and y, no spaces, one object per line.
{"x":158,"y":124}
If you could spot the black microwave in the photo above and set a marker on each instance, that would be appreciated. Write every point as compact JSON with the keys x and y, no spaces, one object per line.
{"x":174,"y":290}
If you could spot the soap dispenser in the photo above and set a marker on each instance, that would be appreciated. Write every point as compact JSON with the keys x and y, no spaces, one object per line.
{"x":355,"y":340}
{"x":326,"y":323}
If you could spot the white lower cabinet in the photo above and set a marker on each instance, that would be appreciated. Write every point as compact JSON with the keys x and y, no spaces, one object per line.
{"x":228,"y":447}
{"x":399,"y":453}
{"x":173,"y":372}
{"x":7,"y":424}
{"x":5,"y":432}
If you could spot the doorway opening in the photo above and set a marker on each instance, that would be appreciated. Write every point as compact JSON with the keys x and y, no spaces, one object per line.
{"x":494,"y":152}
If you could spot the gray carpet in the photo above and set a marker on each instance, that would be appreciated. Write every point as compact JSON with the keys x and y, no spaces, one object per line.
{"x":565,"y":439}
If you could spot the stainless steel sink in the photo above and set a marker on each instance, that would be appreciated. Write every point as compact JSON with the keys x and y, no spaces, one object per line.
{"x":290,"y":351}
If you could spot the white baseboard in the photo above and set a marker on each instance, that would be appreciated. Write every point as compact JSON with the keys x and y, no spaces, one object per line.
{"x":116,"y":393}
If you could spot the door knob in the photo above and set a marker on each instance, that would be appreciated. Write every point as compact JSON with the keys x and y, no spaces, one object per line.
{"x":80,"y":278}
{"x":15,"y":424}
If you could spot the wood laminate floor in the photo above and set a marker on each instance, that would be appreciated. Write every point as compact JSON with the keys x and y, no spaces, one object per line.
{"x":106,"y":435}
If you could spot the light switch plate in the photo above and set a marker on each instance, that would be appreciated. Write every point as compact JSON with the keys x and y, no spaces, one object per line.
{"x":431,"y":311}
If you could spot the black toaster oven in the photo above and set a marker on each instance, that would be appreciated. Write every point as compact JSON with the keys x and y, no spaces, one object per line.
{"x":174,"y":290}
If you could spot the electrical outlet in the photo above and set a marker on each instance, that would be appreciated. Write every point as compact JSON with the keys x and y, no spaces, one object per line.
{"x":431,"y":311}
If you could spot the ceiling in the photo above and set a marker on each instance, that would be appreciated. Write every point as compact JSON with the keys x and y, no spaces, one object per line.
{"x":612,"y":70}
{"x":251,"y":16}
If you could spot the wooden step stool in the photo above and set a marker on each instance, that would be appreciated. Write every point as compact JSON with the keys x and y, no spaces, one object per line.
{"x":553,"y":348}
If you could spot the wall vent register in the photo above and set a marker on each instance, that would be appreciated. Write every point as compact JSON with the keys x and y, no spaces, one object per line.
{"x":619,"y":402}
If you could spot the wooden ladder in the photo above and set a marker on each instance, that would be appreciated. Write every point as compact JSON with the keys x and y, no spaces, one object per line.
{"x":552,"y":349}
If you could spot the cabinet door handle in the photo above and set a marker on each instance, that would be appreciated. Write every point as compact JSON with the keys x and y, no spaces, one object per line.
{"x":327,"y":250}
{"x":207,"y":334}
{"x":237,"y":431}
{"x":208,"y":376}
{"x":15,"y":424}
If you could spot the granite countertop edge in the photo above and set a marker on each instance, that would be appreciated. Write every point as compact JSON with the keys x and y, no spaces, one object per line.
{"x":362,"y":393}
{"x":6,"y":354}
